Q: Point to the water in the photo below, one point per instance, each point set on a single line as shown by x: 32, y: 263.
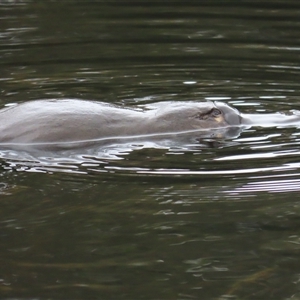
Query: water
x: 215, y: 219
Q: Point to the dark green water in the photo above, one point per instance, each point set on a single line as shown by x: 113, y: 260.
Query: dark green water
x: 147, y: 222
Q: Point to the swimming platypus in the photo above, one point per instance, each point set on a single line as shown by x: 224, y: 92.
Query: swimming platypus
x: 72, y: 123
x: 78, y: 122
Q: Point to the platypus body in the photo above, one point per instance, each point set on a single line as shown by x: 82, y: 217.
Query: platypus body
x: 70, y: 122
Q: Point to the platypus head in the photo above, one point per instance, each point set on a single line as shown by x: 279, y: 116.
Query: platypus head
x: 215, y: 115
x: 190, y: 115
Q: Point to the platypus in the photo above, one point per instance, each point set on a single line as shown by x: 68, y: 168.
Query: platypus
x: 75, y: 122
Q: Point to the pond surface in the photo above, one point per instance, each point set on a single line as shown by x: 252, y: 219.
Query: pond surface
x: 217, y: 219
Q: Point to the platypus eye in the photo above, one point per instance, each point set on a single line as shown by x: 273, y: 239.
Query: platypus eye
x: 215, y: 112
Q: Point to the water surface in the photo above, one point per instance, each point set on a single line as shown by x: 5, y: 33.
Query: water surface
x: 213, y: 219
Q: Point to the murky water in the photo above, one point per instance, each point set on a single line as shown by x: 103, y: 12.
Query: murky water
x: 212, y: 219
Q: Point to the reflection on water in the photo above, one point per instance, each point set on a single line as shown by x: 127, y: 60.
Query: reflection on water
x: 191, y: 220
x: 272, y: 186
x: 106, y: 153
